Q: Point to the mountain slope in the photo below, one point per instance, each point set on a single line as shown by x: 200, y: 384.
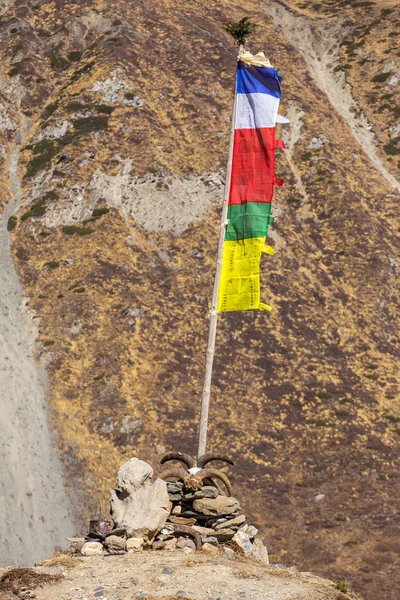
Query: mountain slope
x: 115, y: 243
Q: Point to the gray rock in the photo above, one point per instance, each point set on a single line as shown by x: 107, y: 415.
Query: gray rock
x: 115, y: 544
x: 209, y: 491
x: 92, y: 549
x: 141, y: 508
x: 210, y: 540
x: 230, y: 522
x: 259, y: 551
x: 168, y: 571
x: 242, y: 541
x: 174, y: 488
x: 222, y: 505
x: 174, y: 497
x: 190, y: 495
x: 186, y: 544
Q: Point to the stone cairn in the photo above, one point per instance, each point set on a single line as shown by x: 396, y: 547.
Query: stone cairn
x: 188, y: 509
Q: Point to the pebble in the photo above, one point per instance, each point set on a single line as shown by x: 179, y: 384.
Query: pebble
x: 168, y: 571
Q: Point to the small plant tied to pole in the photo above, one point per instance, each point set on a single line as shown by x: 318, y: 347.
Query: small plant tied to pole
x: 240, y: 30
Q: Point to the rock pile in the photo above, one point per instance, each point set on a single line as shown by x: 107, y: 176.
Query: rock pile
x: 185, y: 512
x: 208, y: 520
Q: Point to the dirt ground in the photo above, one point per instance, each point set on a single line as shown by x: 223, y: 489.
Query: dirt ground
x: 174, y: 575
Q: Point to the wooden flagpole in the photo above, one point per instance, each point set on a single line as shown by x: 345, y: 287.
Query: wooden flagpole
x: 205, y: 400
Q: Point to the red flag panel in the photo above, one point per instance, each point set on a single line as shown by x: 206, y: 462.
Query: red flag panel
x: 252, y: 178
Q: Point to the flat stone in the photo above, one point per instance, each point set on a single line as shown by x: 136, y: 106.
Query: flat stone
x: 182, y: 520
x: 226, y: 524
x: 134, y: 544
x: 210, y: 548
x: 222, y: 505
x: 203, y: 530
x: 174, y: 497
x: 115, y: 544
x: 186, y: 544
x: 177, y: 510
x: 242, y: 541
x: 92, y: 549
x: 209, y: 491
x: 251, y: 532
x: 174, y: 488
x: 224, y: 535
x: 197, y: 515
x: 260, y: 552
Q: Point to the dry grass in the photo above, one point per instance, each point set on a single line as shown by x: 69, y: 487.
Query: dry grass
x: 62, y: 560
x: 14, y: 581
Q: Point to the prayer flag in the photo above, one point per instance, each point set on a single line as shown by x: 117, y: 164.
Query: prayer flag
x: 258, y: 92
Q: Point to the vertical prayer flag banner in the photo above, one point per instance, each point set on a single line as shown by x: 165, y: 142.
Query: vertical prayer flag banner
x: 258, y: 92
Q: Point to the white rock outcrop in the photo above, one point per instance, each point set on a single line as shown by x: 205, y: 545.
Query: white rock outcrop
x: 139, y: 506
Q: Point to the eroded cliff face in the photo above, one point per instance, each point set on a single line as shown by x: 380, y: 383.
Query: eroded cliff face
x: 115, y: 240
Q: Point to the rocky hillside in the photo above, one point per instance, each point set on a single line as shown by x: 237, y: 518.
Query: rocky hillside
x: 115, y: 120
